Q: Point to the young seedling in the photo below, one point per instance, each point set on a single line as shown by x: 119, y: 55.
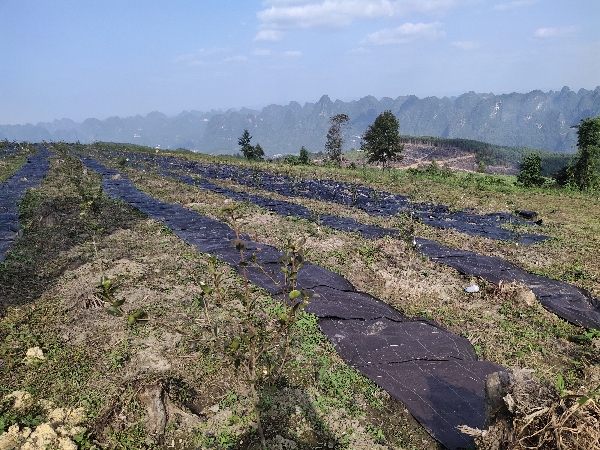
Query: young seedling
x: 106, y: 292
x: 258, y: 343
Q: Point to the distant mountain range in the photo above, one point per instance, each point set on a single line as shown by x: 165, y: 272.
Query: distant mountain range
x: 536, y: 119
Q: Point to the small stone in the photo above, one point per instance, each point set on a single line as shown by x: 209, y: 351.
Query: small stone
x: 22, y: 399
x: 33, y: 354
x: 214, y: 408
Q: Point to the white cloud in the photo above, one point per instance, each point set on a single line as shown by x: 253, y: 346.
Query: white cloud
x: 285, y: 14
x: 293, y: 53
x: 405, y: 33
x: 554, y: 32
x: 515, y: 4
x: 268, y: 35
x: 261, y: 52
x: 466, y: 45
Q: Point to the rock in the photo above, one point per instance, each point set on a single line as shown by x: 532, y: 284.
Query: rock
x: 23, y: 399
x: 472, y: 289
x: 12, y: 438
x: 33, y: 354
x: 41, y: 438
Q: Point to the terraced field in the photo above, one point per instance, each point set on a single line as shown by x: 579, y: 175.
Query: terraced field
x: 387, y: 336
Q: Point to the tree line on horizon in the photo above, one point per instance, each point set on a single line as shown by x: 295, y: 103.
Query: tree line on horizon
x: 383, y: 144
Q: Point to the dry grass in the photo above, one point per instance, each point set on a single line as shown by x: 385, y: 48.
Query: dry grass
x: 528, y: 415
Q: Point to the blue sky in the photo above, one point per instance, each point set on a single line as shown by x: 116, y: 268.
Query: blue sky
x: 92, y: 58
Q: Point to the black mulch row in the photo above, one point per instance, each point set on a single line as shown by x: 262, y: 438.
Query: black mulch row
x: 12, y: 190
x: 374, y: 202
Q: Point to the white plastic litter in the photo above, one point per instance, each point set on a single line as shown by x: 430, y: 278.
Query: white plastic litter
x: 471, y: 289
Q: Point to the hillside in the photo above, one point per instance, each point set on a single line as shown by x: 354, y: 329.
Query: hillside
x: 536, y: 119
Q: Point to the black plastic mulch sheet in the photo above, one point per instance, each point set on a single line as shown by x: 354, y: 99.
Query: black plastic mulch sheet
x: 435, y: 373
x: 372, y: 201
x: 565, y: 300
x: 11, y: 191
x: 284, y: 208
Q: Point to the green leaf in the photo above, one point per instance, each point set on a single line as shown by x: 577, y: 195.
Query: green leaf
x: 114, y: 311
x: 206, y: 289
x: 136, y: 316
x: 118, y: 303
x: 104, y: 297
x: 560, y: 384
x: 295, y: 294
x: 582, y: 400
x: 299, y: 307
x: 199, y: 301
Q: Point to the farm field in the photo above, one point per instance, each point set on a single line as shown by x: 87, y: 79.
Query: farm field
x: 113, y: 369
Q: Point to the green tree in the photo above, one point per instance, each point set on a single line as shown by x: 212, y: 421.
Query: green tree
x: 585, y: 170
x: 304, y: 158
x: 244, y: 143
x: 531, y: 170
x: 258, y: 153
x: 335, y: 141
x: 251, y: 153
x: 381, y: 140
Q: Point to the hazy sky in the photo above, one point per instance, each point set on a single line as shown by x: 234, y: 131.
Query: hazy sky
x: 92, y: 58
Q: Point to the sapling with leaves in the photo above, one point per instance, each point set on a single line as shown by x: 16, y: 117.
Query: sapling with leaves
x: 106, y: 292
x: 258, y: 340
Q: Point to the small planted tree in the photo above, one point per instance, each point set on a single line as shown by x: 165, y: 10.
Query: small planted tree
x: 335, y: 141
x: 258, y: 335
x: 531, y: 170
x: 381, y: 141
